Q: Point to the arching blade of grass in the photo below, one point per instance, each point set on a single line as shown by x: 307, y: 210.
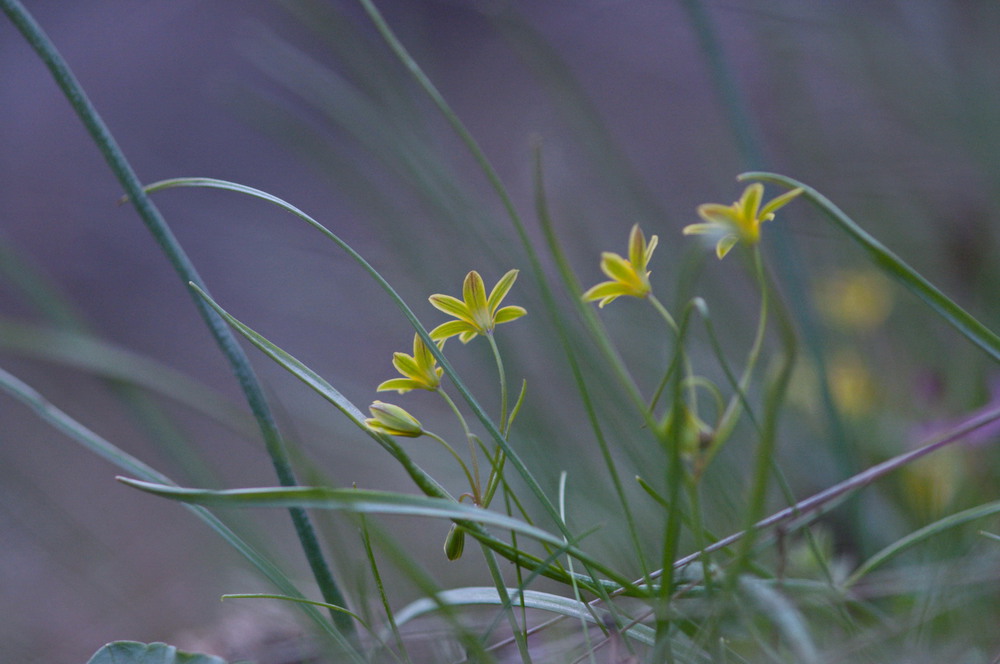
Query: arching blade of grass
x: 362, y: 501
x: 185, y: 269
x: 130, y: 464
x: 533, y: 599
x: 894, y: 266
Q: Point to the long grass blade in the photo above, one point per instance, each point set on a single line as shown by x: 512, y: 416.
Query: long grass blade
x: 178, y: 258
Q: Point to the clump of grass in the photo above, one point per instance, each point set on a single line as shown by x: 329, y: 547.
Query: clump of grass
x: 772, y: 589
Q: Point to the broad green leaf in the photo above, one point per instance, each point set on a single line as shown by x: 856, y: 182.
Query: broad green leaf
x: 133, y: 652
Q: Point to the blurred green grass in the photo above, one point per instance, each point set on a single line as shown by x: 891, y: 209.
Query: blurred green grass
x: 888, y: 109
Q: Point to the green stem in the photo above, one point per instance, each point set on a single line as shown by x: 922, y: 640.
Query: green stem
x: 476, y: 499
x: 768, y: 435
x: 474, y: 479
x: 503, y: 385
x: 161, y: 232
x: 729, y: 417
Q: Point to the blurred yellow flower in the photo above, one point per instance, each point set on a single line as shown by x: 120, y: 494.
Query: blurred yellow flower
x: 420, y: 370
x: 739, y: 222
x: 477, y: 314
x: 628, y: 277
x: 855, y: 299
x: 852, y: 385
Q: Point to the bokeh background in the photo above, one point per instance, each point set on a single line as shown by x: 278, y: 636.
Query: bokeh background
x: 641, y: 111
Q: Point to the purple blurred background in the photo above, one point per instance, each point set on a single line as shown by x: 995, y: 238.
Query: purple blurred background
x: 890, y: 108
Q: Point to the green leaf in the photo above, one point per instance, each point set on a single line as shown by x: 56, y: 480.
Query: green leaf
x: 133, y: 652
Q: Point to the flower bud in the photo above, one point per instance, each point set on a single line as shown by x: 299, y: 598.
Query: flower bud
x: 454, y: 544
x: 393, y: 420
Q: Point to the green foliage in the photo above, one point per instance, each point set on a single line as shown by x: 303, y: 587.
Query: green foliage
x: 664, y: 401
x: 132, y: 652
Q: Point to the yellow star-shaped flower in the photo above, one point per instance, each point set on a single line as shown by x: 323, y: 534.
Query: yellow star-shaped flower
x: 477, y: 314
x: 739, y: 222
x: 628, y: 277
x: 420, y: 370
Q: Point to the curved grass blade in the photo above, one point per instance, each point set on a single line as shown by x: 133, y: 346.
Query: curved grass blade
x: 359, y: 501
x: 894, y: 266
x: 918, y: 536
x: 532, y: 599
x: 362, y: 501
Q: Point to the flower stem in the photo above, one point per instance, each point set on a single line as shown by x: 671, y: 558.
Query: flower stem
x: 465, y: 469
x: 503, y: 385
x: 474, y: 477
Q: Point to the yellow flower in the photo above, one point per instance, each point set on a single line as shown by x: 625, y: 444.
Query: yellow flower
x: 628, y: 277
x: 739, y: 222
x: 420, y: 370
x: 393, y: 420
x: 478, y: 314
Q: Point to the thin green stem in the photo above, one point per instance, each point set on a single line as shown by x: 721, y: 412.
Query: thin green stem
x: 476, y: 498
x: 185, y: 269
x: 503, y: 384
x: 475, y: 480
x: 727, y: 421
x: 373, y: 564
x: 768, y: 434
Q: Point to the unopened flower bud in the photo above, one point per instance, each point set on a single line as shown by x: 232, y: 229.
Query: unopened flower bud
x: 393, y: 420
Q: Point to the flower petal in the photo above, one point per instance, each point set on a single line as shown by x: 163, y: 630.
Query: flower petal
x: 704, y: 229
x: 636, y: 246
x: 749, y: 203
x: 725, y: 244
x: 723, y: 215
x: 474, y: 293
x: 406, y: 365
x: 507, y: 314
x: 500, y: 291
x: 775, y: 203
x: 653, y: 241
x: 604, y: 290
x: 451, y: 328
x: 451, y: 306
x: 618, y: 268
x: 401, y: 385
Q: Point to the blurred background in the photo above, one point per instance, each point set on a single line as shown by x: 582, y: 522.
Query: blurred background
x: 640, y: 111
